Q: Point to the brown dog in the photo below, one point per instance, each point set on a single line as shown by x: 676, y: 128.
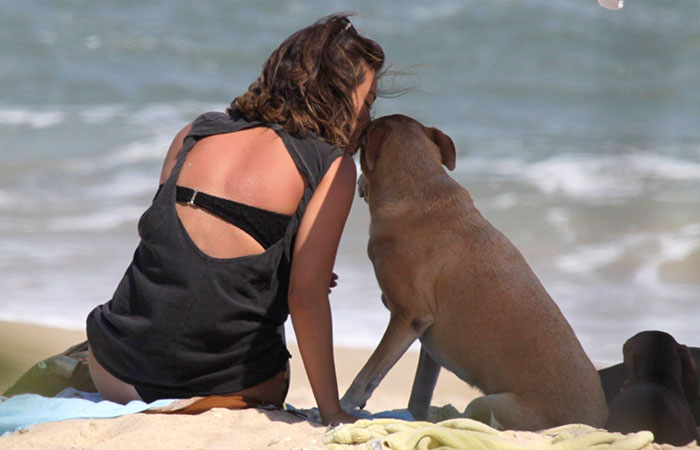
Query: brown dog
x: 661, y: 391
x: 450, y: 279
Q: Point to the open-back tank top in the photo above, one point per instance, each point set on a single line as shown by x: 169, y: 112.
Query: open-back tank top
x: 182, y: 323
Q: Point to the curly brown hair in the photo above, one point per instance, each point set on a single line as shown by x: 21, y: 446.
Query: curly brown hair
x: 307, y: 84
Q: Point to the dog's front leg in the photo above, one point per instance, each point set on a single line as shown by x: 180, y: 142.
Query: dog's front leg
x: 423, y: 385
x: 401, y: 332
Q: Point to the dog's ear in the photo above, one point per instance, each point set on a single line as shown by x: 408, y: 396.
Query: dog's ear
x: 689, y: 375
x: 373, y: 142
x: 447, y: 147
x: 628, y: 361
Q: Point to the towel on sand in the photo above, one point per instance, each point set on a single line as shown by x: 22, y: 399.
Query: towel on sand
x: 469, y: 434
x: 24, y: 410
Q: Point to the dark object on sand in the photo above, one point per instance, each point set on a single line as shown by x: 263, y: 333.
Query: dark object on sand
x: 54, y: 374
x: 613, y: 378
x: 660, y: 391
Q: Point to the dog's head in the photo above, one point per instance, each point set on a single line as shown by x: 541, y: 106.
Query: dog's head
x: 387, y: 136
x: 656, y: 356
x: 401, y: 130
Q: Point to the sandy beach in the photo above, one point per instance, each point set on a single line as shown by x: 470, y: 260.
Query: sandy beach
x: 23, y: 345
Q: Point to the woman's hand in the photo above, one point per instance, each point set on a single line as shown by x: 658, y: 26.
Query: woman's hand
x: 338, y: 417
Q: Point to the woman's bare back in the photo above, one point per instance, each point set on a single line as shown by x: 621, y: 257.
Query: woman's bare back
x: 252, y: 167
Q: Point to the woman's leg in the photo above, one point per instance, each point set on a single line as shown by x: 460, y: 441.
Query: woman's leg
x: 110, y: 387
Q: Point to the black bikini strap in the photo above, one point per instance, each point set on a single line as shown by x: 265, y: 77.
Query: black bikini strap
x: 260, y: 224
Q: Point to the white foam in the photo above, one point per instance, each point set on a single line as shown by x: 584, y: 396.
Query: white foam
x: 657, y: 250
x: 6, y: 198
x: 162, y: 117
x: 504, y: 201
x: 583, y: 176
x: 672, y: 247
x: 482, y: 166
x: 588, y: 258
x: 560, y: 219
x: 160, y: 114
x: 100, y: 220
x: 664, y: 167
x: 124, y: 185
x: 152, y: 149
x: 93, y: 42
x: 38, y: 252
x: 103, y: 113
x: 34, y: 119
x: 149, y: 150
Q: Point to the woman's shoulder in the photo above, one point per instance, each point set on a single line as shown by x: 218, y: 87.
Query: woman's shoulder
x: 315, y: 154
x: 212, y: 117
x: 320, y: 146
x: 215, y: 122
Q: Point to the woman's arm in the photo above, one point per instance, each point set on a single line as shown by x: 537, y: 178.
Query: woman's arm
x: 314, y: 255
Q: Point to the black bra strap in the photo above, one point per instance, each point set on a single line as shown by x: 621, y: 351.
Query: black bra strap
x: 266, y: 227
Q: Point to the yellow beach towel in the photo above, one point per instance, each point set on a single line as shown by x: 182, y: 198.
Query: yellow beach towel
x: 463, y: 433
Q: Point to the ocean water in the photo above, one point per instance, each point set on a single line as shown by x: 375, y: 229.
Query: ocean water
x: 577, y: 128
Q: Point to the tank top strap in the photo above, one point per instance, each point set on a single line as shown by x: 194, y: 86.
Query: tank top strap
x: 169, y: 184
x: 311, y: 155
x: 207, y: 124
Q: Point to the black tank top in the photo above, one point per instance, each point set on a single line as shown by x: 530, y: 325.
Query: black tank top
x: 182, y: 323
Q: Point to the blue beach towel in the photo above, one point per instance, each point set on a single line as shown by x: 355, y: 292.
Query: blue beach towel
x: 24, y: 410
x: 312, y: 415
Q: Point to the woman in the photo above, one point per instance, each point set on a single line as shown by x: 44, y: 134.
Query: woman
x: 243, y: 231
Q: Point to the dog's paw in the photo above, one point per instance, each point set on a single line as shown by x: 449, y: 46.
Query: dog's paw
x: 347, y: 405
x: 350, y: 404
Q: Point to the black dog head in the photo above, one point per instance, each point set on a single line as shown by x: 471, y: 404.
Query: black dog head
x: 652, y: 356
x: 655, y: 356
